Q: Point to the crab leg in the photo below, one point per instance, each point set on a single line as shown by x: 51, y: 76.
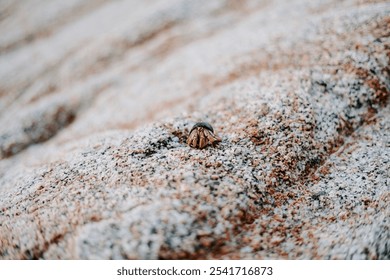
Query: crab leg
x: 211, y: 137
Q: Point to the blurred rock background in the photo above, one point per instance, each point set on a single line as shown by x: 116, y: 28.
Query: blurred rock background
x: 97, y: 98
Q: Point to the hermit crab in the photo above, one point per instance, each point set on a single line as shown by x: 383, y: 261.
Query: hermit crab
x: 202, y: 134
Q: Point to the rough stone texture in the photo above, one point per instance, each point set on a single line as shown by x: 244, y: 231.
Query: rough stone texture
x: 97, y: 99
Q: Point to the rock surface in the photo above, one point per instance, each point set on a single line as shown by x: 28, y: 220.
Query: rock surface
x: 97, y: 99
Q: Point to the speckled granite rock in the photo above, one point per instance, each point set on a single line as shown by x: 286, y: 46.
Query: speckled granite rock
x: 97, y: 99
